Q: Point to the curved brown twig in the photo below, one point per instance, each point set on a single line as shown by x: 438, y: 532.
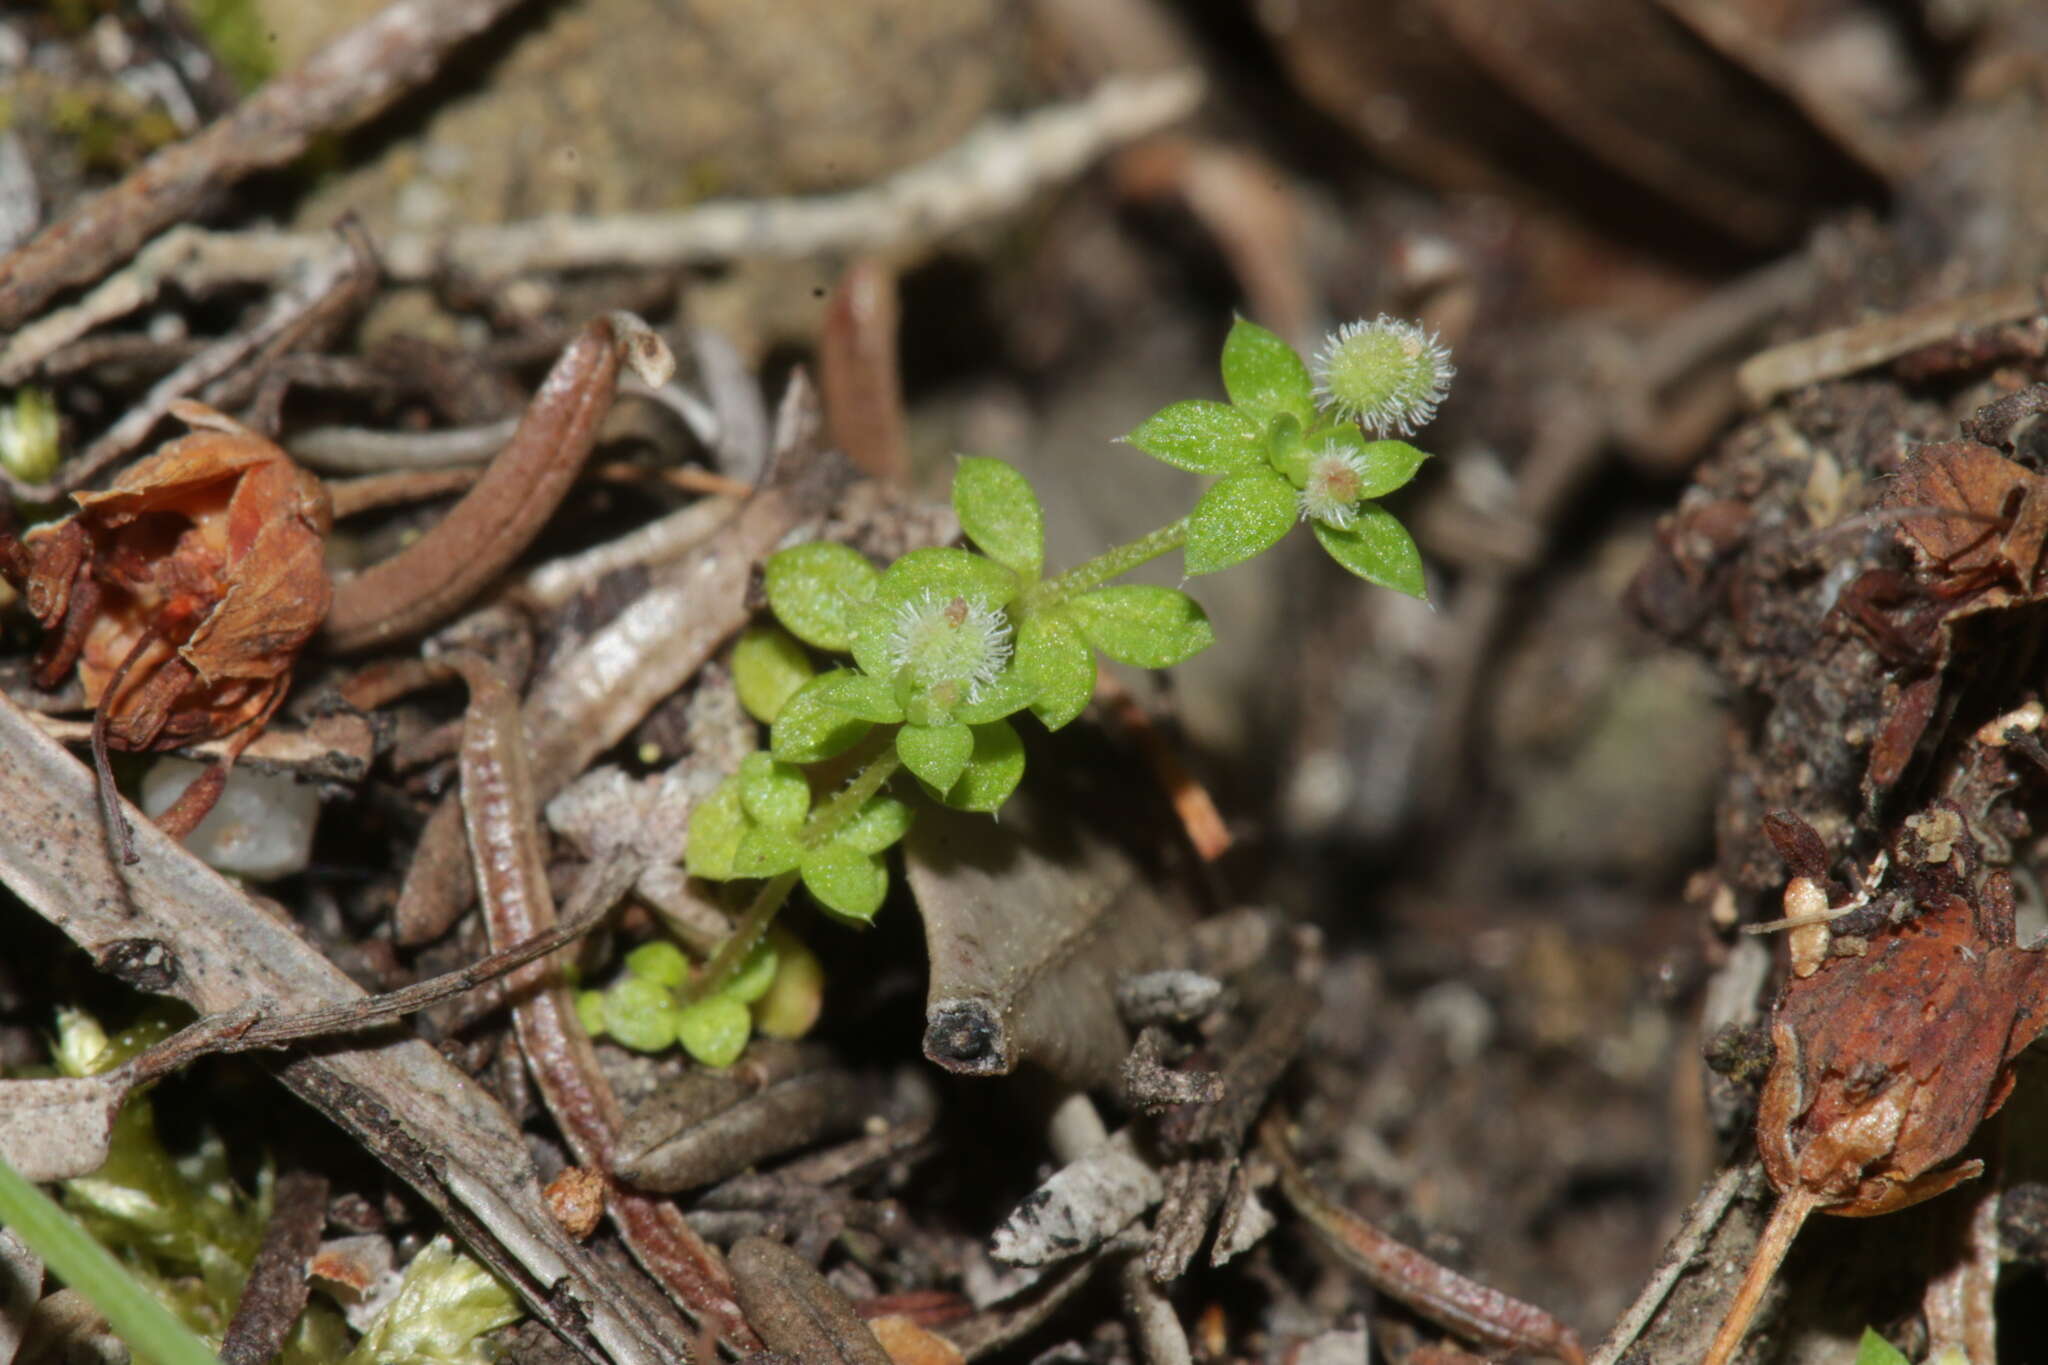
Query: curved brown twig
x: 437, y: 574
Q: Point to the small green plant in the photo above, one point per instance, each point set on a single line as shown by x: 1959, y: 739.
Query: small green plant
x: 162, y: 1245
x: 135, y: 1314
x: 445, y: 1303
x: 1875, y: 1350
x: 180, y: 1224
x: 940, y: 651
x: 29, y: 447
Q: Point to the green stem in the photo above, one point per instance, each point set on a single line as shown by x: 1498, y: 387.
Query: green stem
x: 151, y: 1330
x: 725, y: 964
x: 1114, y: 562
x: 826, y: 821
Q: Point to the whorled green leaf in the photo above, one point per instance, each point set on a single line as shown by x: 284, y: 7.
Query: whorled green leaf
x: 768, y: 665
x: 857, y: 694
x: 714, y: 834
x: 847, y: 882
x: 1287, y: 449
x: 942, y: 572
x: 875, y: 631
x: 993, y: 771
x: 639, y: 1014
x: 1000, y: 514
x: 1136, y: 623
x: 815, y: 589
x: 773, y: 794
x: 1202, y: 437
x: 755, y: 975
x: 1875, y: 1350
x: 766, y: 852
x: 1007, y: 695
x: 1388, y: 465
x: 881, y: 822
x: 659, y: 961
x: 1052, y: 654
x: 937, y: 754
x: 923, y: 706
x: 715, y: 1030
x: 813, y: 725
x: 1262, y: 371
x: 1378, y: 549
x: 1242, y: 515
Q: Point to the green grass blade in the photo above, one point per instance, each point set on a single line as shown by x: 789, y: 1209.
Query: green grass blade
x: 151, y: 1330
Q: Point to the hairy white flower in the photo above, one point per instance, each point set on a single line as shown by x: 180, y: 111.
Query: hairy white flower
x: 938, y: 640
x: 1387, y: 375
x: 1336, y: 474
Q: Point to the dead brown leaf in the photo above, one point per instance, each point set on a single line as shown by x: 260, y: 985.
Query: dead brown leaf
x: 1887, y: 1063
x: 1977, y: 525
x: 1972, y: 516
x: 1028, y: 925
x: 182, y: 594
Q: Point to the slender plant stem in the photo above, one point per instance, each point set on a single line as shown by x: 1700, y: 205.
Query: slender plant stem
x: 724, y: 965
x: 826, y: 821
x: 1114, y: 562
x: 151, y: 1330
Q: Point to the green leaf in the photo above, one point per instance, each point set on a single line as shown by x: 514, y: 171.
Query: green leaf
x: 1378, y: 549
x: 847, y: 882
x: 659, y: 961
x: 925, y: 706
x: 858, y: 695
x: 944, y: 572
x: 1388, y: 466
x: 639, y: 1014
x: 1262, y: 371
x: 880, y: 823
x: 874, y: 640
x: 1202, y: 437
x: 755, y: 975
x: 765, y: 852
x: 1061, y: 667
x: 1287, y: 450
x: 1000, y: 514
x: 1136, y: 623
x: 773, y: 794
x: 1241, y: 515
x: 992, y: 773
x: 1007, y: 695
x: 1875, y: 1350
x: 815, y: 589
x: 715, y: 1031
x: 714, y: 834
x: 812, y: 726
x: 936, y: 753
x: 767, y: 666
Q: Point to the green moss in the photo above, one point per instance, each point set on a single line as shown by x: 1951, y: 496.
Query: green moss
x: 239, y: 38
x: 112, y: 129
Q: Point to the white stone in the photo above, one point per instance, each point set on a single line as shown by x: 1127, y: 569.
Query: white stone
x: 262, y: 827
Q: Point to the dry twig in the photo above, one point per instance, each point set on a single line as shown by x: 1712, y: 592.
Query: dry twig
x: 1845, y: 350
x: 991, y: 172
x: 503, y: 823
x: 1435, y: 1291
x: 175, y: 926
x: 275, y: 1293
x: 349, y: 80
